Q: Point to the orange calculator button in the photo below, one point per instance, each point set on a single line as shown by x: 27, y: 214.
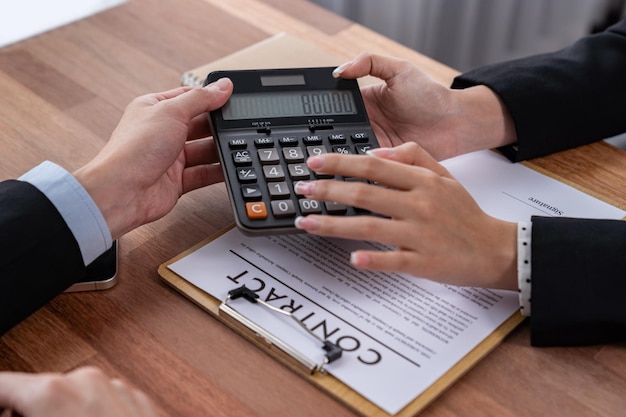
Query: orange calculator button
x: 256, y: 210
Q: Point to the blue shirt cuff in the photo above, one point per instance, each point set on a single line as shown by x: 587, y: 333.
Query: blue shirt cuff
x: 75, y: 205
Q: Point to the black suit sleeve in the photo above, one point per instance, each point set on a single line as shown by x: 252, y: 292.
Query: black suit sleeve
x: 578, y: 281
x: 563, y: 99
x: 558, y: 101
x: 39, y: 256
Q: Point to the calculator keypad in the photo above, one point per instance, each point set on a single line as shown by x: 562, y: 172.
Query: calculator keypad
x: 265, y: 169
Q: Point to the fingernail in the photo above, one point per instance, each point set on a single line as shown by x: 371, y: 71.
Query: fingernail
x: 381, y: 152
x: 309, y: 223
x: 341, y: 68
x: 315, y: 163
x: 359, y: 259
x: 223, y: 84
x: 304, y: 188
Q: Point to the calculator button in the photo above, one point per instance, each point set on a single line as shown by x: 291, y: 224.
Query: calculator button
x: 256, y: 210
x: 274, y: 172
x: 361, y: 149
x: 268, y: 156
x: 288, y: 141
x: 237, y: 144
x: 294, y: 154
x: 335, y: 208
x: 278, y: 190
x: 283, y: 208
x: 246, y: 175
x: 312, y: 140
x: 359, y: 137
x: 308, y: 206
x: 251, y: 192
x: 264, y: 142
x: 344, y: 149
x: 337, y: 138
x: 241, y: 158
x: 298, y: 171
x: 315, y: 150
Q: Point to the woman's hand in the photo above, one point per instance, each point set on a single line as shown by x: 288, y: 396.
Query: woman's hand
x: 437, y: 228
x: 412, y: 107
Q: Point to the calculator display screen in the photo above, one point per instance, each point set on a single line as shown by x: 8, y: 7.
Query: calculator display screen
x: 289, y: 104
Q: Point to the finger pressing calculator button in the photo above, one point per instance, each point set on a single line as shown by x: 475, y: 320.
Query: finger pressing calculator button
x: 283, y: 208
x: 256, y: 210
x: 242, y: 158
x: 251, y: 192
x: 295, y: 187
x: 308, y: 206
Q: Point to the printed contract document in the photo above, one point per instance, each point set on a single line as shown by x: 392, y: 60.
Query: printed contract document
x: 399, y: 333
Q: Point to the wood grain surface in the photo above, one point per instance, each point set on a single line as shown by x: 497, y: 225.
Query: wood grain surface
x: 61, y: 95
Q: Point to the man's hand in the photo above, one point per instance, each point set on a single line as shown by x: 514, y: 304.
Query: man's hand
x: 85, y: 392
x: 158, y: 152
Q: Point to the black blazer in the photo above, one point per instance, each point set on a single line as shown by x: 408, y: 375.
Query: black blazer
x: 39, y: 256
x: 558, y: 101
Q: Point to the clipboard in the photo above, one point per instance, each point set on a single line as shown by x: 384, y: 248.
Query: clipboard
x: 324, y: 381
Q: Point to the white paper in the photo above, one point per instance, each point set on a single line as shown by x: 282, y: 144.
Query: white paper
x: 399, y: 333
x: 25, y: 18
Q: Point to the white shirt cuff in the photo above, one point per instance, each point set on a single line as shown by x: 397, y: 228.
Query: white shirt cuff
x: 75, y: 205
x: 524, y: 281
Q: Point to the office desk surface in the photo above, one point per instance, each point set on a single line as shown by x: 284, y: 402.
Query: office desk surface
x: 62, y: 93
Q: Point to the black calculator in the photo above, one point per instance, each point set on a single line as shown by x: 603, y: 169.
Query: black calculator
x: 274, y: 121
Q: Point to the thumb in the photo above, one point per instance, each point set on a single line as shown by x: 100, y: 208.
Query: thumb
x: 411, y: 153
x: 380, y: 66
x: 202, y: 99
x: 14, y: 387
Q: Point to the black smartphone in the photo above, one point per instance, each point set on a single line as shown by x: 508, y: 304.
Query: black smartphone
x: 101, y: 273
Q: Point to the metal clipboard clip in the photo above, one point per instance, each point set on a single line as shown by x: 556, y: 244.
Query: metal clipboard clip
x: 333, y: 351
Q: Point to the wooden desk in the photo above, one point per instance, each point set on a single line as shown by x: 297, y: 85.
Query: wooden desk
x: 62, y: 93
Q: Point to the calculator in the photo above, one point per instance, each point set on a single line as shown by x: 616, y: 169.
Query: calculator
x: 274, y: 120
